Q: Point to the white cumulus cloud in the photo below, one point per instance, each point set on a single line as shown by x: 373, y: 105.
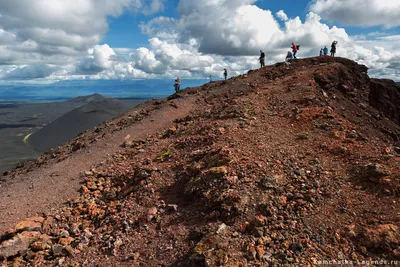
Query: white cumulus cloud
x: 99, y: 59
x: 359, y: 12
x: 282, y: 15
x: 29, y: 72
x: 77, y: 24
x: 231, y: 30
x: 59, y: 39
x: 41, y: 36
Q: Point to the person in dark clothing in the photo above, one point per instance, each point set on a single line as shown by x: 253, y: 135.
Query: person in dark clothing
x: 320, y: 52
x: 262, y: 58
x: 225, y: 74
x: 177, y: 85
x: 333, y: 48
x: 289, y: 58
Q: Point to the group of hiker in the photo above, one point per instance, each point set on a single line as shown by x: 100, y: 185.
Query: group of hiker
x: 324, y: 51
x: 290, y: 56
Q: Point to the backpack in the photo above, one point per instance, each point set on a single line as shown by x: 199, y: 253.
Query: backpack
x: 298, y: 47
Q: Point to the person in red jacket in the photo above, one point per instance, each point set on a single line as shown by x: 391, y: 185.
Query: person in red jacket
x: 294, y: 50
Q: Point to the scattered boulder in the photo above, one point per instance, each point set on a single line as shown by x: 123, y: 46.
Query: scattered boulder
x: 30, y: 224
x: 57, y: 250
x: 374, y: 170
x: 169, y: 132
x: 268, y: 182
x: 77, y: 145
x: 172, y: 207
x: 218, y: 171
x: 65, y: 241
x: 218, y: 248
x: 127, y: 143
x: 297, y: 247
x: 42, y: 243
x: 18, y: 244
x: 384, y: 237
x: 151, y: 213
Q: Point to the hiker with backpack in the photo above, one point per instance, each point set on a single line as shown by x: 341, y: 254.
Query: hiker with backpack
x: 177, y: 85
x: 262, y: 58
x: 295, y: 48
x: 333, y: 48
x: 225, y: 74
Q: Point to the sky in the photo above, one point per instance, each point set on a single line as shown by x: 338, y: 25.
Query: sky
x: 53, y: 40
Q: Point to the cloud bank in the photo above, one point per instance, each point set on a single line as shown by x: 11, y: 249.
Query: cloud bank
x: 206, y: 37
x: 359, y: 12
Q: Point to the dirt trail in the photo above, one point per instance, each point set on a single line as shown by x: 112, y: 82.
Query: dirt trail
x: 45, y: 189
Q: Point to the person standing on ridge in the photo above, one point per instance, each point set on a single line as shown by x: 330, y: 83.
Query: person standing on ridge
x: 289, y: 57
x: 325, y: 51
x: 333, y: 48
x: 225, y: 74
x: 177, y: 85
x: 262, y: 58
x: 294, y: 50
x: 320, y: 52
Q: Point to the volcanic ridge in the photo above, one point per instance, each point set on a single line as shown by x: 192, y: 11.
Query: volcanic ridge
x: 285, y: 165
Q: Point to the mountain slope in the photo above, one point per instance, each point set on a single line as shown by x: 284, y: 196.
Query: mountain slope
x: 95, y: 110
x: 285, y: 165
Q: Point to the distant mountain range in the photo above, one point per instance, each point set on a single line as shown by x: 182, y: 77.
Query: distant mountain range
x: 90, y: 98
x: 29, y: 129
x: 95, y: 109
x: 114, y: 88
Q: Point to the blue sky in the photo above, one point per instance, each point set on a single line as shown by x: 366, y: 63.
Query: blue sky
x: 125, y: 31
x: 53, y: 40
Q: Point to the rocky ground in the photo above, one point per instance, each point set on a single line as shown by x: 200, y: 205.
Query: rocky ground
x: 282, y: 166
